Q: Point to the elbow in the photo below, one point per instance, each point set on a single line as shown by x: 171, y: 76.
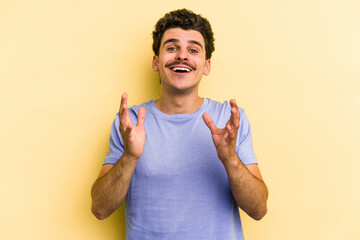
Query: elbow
x: 98, y: 209
x: 260, y: 213
x: 101, y: 211
x: 98, y: 213
x: 262, y: 209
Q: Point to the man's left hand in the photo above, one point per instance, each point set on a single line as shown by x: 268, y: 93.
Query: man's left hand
x: 225, y: 138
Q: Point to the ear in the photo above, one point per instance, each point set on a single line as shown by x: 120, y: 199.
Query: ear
x: 155, y: 62
x: 207, y: 67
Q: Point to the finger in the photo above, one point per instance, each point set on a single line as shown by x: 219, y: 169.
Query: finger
x: 209, y: 122
x: 235, y: 117
x: 123, y: 101
x: 235, y: 114
x: 141, y: 117
x: 230, y: 131
x: 233, y: 103
x: 125, y: 124
x: 123, y: 111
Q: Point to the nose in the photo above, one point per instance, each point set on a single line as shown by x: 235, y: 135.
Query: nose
x: 182, y: 55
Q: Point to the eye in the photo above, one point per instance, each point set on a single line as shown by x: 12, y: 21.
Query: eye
x: 172, y: 49
x: 193, y: 51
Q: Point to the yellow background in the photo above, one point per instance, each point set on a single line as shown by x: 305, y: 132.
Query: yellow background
x: 292, y: 65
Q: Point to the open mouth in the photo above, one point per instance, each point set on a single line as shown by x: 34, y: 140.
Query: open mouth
x: 180, y: 69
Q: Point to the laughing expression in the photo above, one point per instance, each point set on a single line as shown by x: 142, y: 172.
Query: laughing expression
x: 181, y: 61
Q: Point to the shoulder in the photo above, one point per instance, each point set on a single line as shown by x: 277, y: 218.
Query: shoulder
x: 220, y: 108
x: 221, y: 112
x: 146, y: 105
x: 133, y: 112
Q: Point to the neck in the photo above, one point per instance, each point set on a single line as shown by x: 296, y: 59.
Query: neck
x: 179, y: 104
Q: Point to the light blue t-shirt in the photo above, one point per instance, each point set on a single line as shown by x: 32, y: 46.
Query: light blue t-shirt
x: 180, y: 189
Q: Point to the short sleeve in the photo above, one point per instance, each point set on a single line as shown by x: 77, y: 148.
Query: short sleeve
x: 116, y: 144
x: 244, y: 147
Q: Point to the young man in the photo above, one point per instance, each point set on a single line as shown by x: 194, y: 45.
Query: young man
x: 183, y: 164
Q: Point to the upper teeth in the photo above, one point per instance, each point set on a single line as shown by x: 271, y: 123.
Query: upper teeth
x: 181, y: 69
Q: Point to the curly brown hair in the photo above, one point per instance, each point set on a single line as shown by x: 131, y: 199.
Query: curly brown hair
x: 187, y: 20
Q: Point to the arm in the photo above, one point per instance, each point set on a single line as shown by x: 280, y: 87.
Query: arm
x: 111, y: 187
x: 248, y: 188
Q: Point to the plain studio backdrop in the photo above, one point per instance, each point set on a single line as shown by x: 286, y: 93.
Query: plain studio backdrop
x: 292, y: 65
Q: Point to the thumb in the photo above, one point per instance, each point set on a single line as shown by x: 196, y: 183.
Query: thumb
x: 209, y: 122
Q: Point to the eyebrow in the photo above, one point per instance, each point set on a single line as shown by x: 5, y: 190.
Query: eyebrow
x: 174, y: 40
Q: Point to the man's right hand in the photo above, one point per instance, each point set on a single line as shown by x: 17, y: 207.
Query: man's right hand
x: 133, y: 136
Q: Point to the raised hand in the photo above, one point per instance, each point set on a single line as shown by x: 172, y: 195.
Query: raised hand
x: 133, y: 136
x: 225, y: 138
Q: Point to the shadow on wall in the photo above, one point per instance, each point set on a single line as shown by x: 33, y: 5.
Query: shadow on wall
x: 146, y: 87
x: 117, y: 223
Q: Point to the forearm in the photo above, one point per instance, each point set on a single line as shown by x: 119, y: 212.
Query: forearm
x: 250, y: 193
x: 109, y: 191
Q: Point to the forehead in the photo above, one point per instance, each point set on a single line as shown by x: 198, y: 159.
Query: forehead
x: 184, y: 36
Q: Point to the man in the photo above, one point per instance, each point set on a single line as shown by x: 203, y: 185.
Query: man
x: 183, y: 163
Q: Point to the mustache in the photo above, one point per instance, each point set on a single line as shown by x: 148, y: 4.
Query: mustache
x: 180, y: 63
